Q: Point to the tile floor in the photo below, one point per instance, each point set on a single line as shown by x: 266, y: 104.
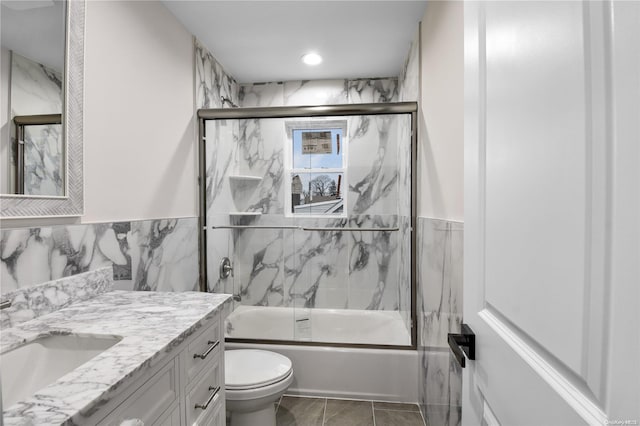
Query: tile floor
x: 297, y: 411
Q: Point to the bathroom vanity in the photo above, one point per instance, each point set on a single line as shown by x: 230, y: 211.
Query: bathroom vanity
x: 154, y: 357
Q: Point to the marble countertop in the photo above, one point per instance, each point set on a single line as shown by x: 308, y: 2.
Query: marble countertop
x: 150, y: 324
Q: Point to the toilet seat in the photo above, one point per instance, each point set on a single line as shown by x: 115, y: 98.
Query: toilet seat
x: 247, y: 369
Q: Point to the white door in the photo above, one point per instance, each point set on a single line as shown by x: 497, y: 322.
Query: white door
x: 552, y: 212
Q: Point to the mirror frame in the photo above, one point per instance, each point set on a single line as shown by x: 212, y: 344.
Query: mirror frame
x: 72, y: 203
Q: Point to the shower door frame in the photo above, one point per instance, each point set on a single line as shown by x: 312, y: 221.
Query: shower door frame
x: 394, y: 108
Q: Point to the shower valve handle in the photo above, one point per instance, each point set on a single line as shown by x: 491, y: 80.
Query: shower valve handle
x: 225, y: 268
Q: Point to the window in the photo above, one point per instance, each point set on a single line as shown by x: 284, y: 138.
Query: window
x: 316, y: 168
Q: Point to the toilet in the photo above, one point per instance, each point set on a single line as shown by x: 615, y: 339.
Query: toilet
x: 254, y: 381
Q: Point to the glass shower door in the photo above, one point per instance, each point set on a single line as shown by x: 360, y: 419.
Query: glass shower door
x: 316, y: 213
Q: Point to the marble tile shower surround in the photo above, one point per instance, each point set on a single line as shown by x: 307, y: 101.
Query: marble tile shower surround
x: 37, y: 89
x: 439, y: 280
x: 211, y: 83
x: 319, y: 92
x: 409, y: 79
x: 32, y: 302
x: 440, y: 386
x: 309, y: 269
x: 440, y: 265
x: 211, y: 80
x: 408, y: 90
x: 373, y: 191
x: 317, y: 269
x: 257, y: 149
x: 157, y: 254
x: 44, y: 160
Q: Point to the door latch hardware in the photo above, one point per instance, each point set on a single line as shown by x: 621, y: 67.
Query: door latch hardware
x: 463, y: 344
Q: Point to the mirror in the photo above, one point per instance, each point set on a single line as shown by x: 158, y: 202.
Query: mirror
x: 41, y: 134
x: 32, y: 147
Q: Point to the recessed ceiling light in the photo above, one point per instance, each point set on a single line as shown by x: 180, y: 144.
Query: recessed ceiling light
x: 312, y: 59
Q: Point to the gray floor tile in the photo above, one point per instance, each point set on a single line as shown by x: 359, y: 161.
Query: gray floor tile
x: 348, y: 413
x: 294, y: 411
x: 398, y: 418
x: 395, y: 406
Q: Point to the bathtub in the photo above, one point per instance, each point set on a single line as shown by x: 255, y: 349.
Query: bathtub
x: 355, y: 373
x: 318, y: 325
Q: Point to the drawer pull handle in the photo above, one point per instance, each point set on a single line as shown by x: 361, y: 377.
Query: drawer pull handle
x: 208, y: 351
x: 213, y: 395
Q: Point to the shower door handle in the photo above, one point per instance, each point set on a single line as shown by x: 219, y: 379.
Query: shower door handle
x: 463, y: 345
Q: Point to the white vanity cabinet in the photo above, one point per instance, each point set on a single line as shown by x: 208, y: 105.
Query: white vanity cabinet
x: 185, y: 389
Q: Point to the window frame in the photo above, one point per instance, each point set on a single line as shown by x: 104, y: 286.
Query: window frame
x: 315, y: 124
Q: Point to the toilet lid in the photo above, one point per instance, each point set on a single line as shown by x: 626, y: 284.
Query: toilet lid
x: 252, y: 368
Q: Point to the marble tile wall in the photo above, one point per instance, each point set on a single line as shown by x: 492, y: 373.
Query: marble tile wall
x: 160, y: 255
x: 254, y: 147
x: 317, y: 269
x: 213, y: 83
x: 373, y: 189
x: 37, y: 89
x: 408, y: 88
x: 440, y: 266
x: 409, y: 79
x: 319, y: 92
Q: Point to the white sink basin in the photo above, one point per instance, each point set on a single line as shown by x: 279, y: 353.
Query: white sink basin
x: 35, y: 365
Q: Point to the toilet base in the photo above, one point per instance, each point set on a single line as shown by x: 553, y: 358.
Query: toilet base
x: 263, y: 417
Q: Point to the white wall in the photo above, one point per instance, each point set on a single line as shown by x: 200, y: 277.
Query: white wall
x: 441, y: 133
x: 140, y: 141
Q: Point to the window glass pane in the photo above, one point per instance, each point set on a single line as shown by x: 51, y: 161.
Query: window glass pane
x: 317, y: 148
x: 317, y: 193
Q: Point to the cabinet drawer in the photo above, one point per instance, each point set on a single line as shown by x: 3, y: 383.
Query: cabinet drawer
x: 206, y: 346
x: 206, y: 395
x: 215, y: 418
x: 170, y: 418
x: 149, y: 401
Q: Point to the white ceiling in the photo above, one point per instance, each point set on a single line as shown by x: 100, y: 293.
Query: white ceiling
x: 34, y: 29
x: 258, y: 41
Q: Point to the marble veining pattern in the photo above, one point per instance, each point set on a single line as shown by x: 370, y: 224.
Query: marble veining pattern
x: 32, y: 302
x: 168, y: 255
x: 147, y: 337
x: 261, y: 94
x: 440, y: 265
x: 43, y: 160
x: 373, y: 164
x: 212, y: 82
x: 261, y: 153
x: 318, y: 269
x: 37, y: 89
x: 410, y: 76
x: 319, y: 92
x: 373, y: 90
x: 439, y: 280
x: 146, y: 255
x: 373, y: 192
x: 408, y: 90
